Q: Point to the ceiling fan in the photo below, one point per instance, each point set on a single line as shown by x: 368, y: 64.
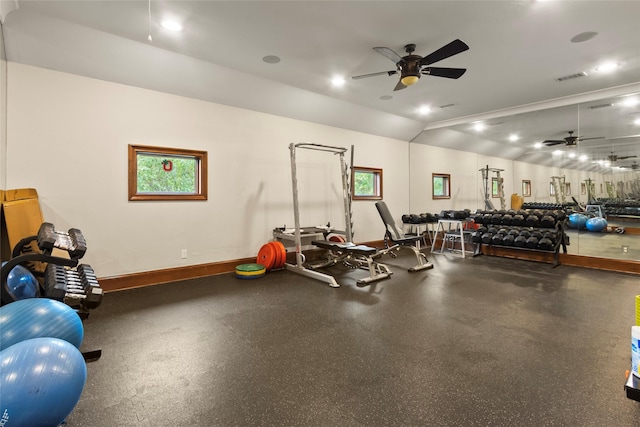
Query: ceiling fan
x: 411, y: 67
x: 569, y: 140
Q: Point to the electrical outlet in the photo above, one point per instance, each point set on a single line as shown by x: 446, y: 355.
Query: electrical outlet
x: 183, y: 254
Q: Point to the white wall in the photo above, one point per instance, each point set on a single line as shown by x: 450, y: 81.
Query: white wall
x: 68, y: 138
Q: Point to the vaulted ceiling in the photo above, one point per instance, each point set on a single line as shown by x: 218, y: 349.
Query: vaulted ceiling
x: 280, y: 57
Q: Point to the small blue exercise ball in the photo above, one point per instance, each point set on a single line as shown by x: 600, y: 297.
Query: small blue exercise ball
x: 596, y: 224
x: 39, y: 317
x: 41, y: 381
x: 577, y: 220
x: 21, y: 283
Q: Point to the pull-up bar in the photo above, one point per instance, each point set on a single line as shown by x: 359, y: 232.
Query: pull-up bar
x: 299, y: 268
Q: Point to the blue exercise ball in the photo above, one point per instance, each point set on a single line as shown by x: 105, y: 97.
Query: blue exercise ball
x: 41, y: 381
x: 21, y: 283
x: 577, y: 220
x: 596, y: 224
x: 39, y: 317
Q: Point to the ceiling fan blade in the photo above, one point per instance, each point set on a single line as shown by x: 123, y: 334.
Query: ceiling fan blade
x: 626, y: 157
x: 551, y: 142
x: 450, y: 73
x: 622, y: 137
x: 399, y: 86
x: 593, y: 137
x: 389, y: 73
x: 444, y: 52
x: 385, y: 51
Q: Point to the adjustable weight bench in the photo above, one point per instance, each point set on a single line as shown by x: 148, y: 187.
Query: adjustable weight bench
x: 354, y: 256
x: 394, y: 239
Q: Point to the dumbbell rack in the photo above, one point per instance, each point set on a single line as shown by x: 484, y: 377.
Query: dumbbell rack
x: 63, y: 279
x: 561, y: 240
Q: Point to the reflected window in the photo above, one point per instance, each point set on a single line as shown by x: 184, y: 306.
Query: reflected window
x: 495, y: 187
x: 583, y: 188
x: 552, y: 190
x: 441, y: 186
x: 526, y: 188
x: 567, y: 189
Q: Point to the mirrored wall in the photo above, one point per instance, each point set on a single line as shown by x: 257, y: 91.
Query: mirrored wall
x: 585, y: 154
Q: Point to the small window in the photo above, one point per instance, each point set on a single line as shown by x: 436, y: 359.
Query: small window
x: 583, y: 188
x: 552, y: 189
x: 366, y: 183
x: 495, y: 187
x: 567, y: 188
x: 526, y: 188
x: 441, y: 186
x: 158, y: 173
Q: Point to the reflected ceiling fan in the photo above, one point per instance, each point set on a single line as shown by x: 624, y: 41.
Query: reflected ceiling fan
x: 613, y: 157
x: 632, y: 166
x: 569, y: 141
x: 411, y: 67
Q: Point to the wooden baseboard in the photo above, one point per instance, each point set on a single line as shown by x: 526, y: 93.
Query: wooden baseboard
x: 157, y: 277
x: 609, y: 264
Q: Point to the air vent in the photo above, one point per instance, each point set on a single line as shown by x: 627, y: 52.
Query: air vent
x: 572, y: 76
x: 595, y: 107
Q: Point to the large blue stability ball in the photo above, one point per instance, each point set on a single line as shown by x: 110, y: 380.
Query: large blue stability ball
x: 39, y: 317
x: 41, y: 381
x: 21, y: 283
x: 577, y: 220
x: 596, y: 224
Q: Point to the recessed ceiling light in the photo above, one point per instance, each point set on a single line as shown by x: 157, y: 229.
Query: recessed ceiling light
x: 424, y: 110
x: 271, y: 59
x: 583, y: 157
x: 338, y: 81
x: 637, y: 121
x: 557, y: 152
x: 537, y: 145
x: 513, y: 137
x: 630, y: 101
x: 170, y: 25
x: 606, y: 67
x: 572, y: 155
x: 478, y: 126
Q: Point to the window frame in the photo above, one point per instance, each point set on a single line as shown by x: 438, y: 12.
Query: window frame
x: 447, y: 181
x: 201, y: 175
x: 377, y: 184
x: 526, y: 188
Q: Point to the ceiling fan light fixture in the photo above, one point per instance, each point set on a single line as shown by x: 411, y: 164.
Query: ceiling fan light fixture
x: 409, y: 80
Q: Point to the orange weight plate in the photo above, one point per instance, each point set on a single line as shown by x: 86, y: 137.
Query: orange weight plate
x: 282, y: 254
x: 267, y: 256
x: 276, y: 255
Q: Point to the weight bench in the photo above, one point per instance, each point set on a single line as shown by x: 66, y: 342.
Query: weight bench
x: 353, y: 256
x: 394, y: 239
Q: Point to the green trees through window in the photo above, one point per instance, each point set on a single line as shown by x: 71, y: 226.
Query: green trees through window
x: 366, y: 184
x: 167, y: 174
